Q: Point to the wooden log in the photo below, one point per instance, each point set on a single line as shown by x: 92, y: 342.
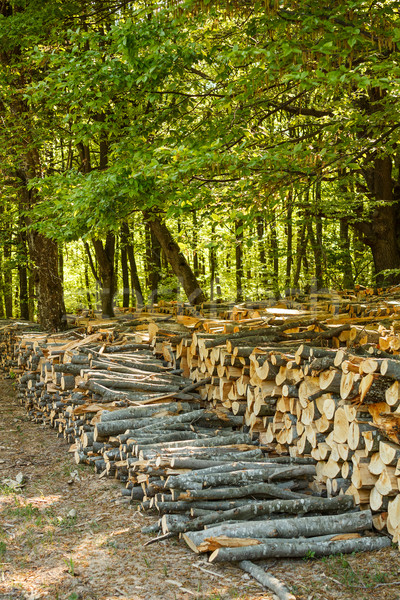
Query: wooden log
x: 134, y: 412
x: 244, y: 477
x: 271, y: 507
x: 329, y: 381
x: 355, y: 439
x: 268, y: 581
x: 391, y: 369
x: 392, y: 394
x: 296, y: 549
x: 209, y: 505
x: 387, y: 484
x: 261, y: 490
x: 287, y: 528
x: 389, y: 452
x: 340, y: 427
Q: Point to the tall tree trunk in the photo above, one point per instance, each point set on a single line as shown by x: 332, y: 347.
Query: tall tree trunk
x: 239, y: 259
x: 316, y: 250
x: 23, y: 291
x: 300, y: 251
x: 2, y: 311
x: 262, y: 255
x: 31, y: 294
x: 49, y: 291
x: 61, y: 263
x: 348, y: 280
x: 275, y: 258
x: 124, y: 270
x: 289, y: 240
x: 213, y: 262
x: 136, y: 288
x: 105, y: 253
x: 176, y: 259
x: 196, y: 269
x: 87, y: 284
x: 23, y: 270
x: 8, y: 280
x: 380, y: 233
x: 318, y: 246
x: 153, y: 261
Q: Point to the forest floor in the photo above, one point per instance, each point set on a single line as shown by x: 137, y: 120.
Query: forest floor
x: 96, y: 552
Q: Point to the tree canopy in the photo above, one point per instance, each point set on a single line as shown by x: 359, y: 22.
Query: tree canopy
x: 269, y: 127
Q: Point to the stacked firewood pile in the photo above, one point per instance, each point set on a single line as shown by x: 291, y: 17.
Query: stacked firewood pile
x: 136, y: 418
x: 272, y: 434
x: 313, y: 389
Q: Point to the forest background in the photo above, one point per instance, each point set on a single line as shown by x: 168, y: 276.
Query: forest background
x: 194, y: 149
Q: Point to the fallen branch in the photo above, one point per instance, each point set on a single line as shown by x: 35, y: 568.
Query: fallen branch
x: 268, y: 581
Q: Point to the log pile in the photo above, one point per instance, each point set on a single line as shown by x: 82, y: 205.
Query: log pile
x: 223, y: 431
x: 313, y: 389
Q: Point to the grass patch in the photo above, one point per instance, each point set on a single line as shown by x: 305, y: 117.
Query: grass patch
x: 7, y: 490
x: 340, y: 569
x: 24, y: 511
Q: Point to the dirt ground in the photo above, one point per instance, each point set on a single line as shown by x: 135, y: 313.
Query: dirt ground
x: 96, y: 552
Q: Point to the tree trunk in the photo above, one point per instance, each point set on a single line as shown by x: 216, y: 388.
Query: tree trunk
x: 23, y: 271
x: 2, y: 311
x: 50, y: 301
x: 153, y: 260
x: 318, y: 250
x: 61, y: 263
x: 381, y: 232
x: 105, y: 259
x: 213, y: 262
x: 317, y: 254
x: 275, y: 258
x: 8, y: 291
x: 176, y: 259
x: 289, y: 240
x: 135, y: 281
x: 31, y: 295
x: 262, y: 255
x: 87, y: 284
x: 348, y: 280
x: 126, y: 242
x: 239, y: 259
x: 196, y: 270
x: 124, y: 266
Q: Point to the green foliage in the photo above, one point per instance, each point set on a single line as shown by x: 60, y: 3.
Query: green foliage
x: 3, y: 549
x: 70, y: 566
x: 229, y: 113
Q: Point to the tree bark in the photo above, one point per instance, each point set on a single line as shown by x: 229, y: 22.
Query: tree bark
x: 124, y: 268
x: 298, y: 549
x: 262, y: 255
x: 50, y: 305
x: 239, y: 259
x: 300, y: 251
x: 136, y: 288
x: 8, y: 292
x: 153, y: 259
x: 288, y: 528
x: 268, y: 581
x: 380, y: 233
x: 105, y: 259
x: 176, y: 259
x: 275, y: 258
x: 23, y: 270
x: 348, y: 280
x: 289, y: 240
